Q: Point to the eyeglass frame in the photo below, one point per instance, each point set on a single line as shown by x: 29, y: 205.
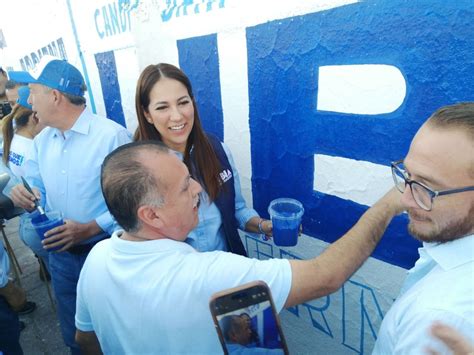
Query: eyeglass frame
x: 433, y: 193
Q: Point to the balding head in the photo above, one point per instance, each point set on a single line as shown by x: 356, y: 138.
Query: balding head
x: 128, y: 183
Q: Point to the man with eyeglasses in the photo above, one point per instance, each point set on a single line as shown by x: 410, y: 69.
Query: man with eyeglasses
x: 436, y: 180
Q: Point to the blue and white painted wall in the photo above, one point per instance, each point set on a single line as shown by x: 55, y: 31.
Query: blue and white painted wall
x: 314, y: 98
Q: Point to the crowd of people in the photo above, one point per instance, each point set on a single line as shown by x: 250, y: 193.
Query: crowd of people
x: 151, y: 222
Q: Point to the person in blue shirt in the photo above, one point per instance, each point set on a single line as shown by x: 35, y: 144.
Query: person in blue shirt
x: 167, y: 111
x: 19, y: 128
x: 64, y: 171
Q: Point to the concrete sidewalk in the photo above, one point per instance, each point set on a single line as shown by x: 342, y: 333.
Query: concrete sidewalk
x: 42, y: 334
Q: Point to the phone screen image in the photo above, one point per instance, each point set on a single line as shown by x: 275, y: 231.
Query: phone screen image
x: 248, y: 323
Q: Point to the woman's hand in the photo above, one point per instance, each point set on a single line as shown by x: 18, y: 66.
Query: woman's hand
x: 260, y: 226
x: 265, y: 227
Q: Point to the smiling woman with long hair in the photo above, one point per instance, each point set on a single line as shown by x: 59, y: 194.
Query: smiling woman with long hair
x: 167, y: 111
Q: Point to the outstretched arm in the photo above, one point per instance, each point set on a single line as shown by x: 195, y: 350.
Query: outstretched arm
x: 327, y: 272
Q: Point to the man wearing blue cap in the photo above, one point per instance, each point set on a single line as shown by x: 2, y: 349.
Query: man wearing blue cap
x: 65, y: 174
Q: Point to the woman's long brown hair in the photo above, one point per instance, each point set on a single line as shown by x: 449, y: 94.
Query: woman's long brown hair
x: 21, y: 115
x: 207, y: 165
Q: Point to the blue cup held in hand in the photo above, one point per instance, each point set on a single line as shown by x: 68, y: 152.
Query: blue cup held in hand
x: 286, y: 214
x: 42, y: 224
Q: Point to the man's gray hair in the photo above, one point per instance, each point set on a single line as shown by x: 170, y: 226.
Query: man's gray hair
x: 128, y: 184
x: 73, y: 99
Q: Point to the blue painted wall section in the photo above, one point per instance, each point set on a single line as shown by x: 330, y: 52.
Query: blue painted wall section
x: 199, y: 59
x: 110, y: 86
x: 430, y: 42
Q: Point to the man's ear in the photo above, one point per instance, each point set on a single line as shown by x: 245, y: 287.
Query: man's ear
x: 57, y: 96
x: 150, y: 216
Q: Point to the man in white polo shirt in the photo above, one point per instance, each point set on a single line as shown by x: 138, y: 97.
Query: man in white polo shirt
x: 63, y: 170
x: 437, y: 181
x: 146, y: 291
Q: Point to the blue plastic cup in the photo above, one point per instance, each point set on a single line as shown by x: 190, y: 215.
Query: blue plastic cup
x: 42, y: 225
x: 286, y: 216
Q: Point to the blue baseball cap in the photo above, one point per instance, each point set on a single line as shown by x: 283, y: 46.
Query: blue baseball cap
x: 23, y: 94
x: 54, y: 73
x: 16, y: 74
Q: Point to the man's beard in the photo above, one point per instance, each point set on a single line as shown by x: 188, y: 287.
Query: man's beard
x: 452, y: 231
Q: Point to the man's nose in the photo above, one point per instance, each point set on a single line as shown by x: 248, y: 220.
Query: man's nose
x: 407, y: 198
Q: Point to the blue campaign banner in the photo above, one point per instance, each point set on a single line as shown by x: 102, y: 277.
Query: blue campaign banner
x: 110, y: 86
x: 430, y: 42
x: 199, y: 59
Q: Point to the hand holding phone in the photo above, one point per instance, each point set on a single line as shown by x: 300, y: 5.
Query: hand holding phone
x: 246, y: 320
